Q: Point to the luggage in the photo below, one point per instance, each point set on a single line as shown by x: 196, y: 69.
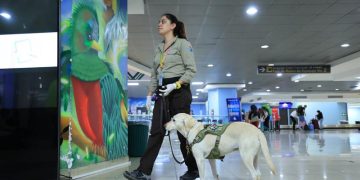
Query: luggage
x: 306, y: 127
x: 315, y: 123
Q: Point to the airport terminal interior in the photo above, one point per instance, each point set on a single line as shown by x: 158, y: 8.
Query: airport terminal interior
x: 74, y: 81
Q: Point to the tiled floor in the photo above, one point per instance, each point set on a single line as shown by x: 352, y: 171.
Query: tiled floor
x: 299, y: 155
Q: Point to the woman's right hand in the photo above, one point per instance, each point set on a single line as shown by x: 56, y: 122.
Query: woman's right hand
x: 148, y: 102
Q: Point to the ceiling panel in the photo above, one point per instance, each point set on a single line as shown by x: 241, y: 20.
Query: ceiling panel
x: 217, y: 20
x: 316, y: 2
x: 221, y: 10
x: 341, y: 9
x: 298, y: 32
x: 193, y: 10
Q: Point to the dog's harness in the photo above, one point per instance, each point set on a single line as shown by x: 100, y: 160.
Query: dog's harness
x: 216, y: 130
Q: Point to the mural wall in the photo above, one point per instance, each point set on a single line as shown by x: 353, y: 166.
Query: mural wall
x: 93, y: 94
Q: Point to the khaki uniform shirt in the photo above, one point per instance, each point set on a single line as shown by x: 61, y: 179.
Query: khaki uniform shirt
x: 179, y: 62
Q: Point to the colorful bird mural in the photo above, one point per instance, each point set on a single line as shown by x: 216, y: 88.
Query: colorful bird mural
x: 92, y: 82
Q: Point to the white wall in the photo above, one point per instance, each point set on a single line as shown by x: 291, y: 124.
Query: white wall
x: 333, y: 111
x: 354, y: 114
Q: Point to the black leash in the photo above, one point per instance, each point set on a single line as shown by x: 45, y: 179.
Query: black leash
x: 172, y: 151
x: 162, y: 104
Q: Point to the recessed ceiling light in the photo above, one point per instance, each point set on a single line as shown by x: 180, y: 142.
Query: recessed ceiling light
x: 345, y: 45
x: 301, y: 90
x: 195, y: 97
x: 228, y: 74
x: 337, y: 89
x: 197, y: 83
x: 268, y: 90
x: 250, y: 82
x: 133, y: 84
x: 210, y: 65
x: 319, y: 85
x: 251, y: 11
x: 277, y: 87
x: 244, y: 89
x: 296, y: 80
x: 5, y: 15
x: 279, y: 74
x: 265, y: 46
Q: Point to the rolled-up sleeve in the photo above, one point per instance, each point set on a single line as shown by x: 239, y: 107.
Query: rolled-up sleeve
x: 187, y: 55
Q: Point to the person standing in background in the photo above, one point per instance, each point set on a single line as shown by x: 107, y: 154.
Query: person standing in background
x: 320, y: 118
x: 294, y: 118
x: 254, y: 116
x: 301, y: 116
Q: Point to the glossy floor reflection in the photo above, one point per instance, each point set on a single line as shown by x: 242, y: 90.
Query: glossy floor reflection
x: 299, y: 155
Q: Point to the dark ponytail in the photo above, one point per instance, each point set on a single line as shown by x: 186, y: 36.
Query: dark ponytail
x: 179, y: 30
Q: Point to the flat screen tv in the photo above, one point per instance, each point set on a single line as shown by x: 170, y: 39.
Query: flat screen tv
x: 285, y: 105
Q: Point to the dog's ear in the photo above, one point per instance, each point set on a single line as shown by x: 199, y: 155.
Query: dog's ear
x: 188, y: 121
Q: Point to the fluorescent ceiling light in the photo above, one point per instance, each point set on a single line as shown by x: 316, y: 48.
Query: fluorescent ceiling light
x: 337, y: 89
x: 250, y: 82
x: 277, y: 87
x: 270, y: 64
x: 199, y: 90
x: 195, y: 97
x: 345, y: 45
x: 358, y: 77
x: 216, y: 86
x: 251, y: 11
x: 5, y: 15
x: 244, y: 89
x: 301, y: 90
x: 210, y: 65
x: 197, y: 94
x: 279, y: 74
x: 268, y: 90
x: 296, y: 80
x: 133, y: 84
x: 228, y: 74
x: 319, y: 85
x: 357, y: 87
x: 197, y: 83
x: 265, y: 46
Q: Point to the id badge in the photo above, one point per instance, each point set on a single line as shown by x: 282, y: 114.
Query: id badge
x: 161, y: 77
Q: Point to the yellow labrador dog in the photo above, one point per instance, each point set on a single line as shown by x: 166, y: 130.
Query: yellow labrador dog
x: 238, y: 136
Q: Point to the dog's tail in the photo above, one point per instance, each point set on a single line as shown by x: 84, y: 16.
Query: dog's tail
x: 265, y: 150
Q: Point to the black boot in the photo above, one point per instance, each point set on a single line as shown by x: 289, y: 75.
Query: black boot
x: 190, y: 175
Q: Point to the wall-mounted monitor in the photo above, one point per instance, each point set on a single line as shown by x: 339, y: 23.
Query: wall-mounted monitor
x: 285, y: 105
x: 28, y: 50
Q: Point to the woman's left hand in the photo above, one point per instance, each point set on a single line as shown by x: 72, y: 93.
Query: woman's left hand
x: 169, y: 88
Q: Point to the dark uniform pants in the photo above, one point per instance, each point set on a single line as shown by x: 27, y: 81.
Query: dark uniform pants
x: 178, y: 101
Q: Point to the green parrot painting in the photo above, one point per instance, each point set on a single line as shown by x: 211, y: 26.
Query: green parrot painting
x: 98, y: 96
